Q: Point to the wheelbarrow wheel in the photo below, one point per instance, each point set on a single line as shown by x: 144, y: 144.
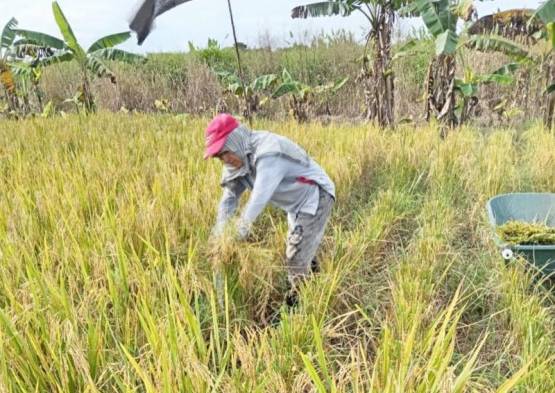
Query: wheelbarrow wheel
x: 508, y: 254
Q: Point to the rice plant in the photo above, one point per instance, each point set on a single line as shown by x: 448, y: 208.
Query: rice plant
x: 109, y: 283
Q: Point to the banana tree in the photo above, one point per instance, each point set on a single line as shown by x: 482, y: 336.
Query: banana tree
x: 254, y: 92
x: 91, y: 62
x: 441, y: 18
x: 7, y: 55
x: 29, y: 79
x: 546, y: 13
x: 377, y: 78
x: 301, y: 95
x: 17, y: 77
x: 468, y: 86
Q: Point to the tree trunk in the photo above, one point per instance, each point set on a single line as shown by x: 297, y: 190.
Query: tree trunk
x: 37, y: 90
x: 440, y: 88
x: 383, y: 74
x: 470, y: 108
x: 26, y: 103
x: 88, y: 98
x: 550, y: 98
x: 250, y: 105
x: 39, y: 95
x: 378, y: 80
x: 519, y: 97
x: 299, y: 107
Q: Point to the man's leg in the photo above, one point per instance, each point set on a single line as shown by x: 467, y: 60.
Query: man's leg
x: 304, y: 238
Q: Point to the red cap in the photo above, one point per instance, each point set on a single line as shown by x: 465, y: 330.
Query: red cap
x: 217, y: 132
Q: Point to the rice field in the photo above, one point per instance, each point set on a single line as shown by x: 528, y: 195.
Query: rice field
x: 108, y: 284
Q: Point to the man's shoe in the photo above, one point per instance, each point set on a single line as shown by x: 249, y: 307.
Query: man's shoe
x: 292, y: 298
x: 315, y: 266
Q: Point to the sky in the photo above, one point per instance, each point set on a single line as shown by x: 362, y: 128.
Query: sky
x: 258, y: 21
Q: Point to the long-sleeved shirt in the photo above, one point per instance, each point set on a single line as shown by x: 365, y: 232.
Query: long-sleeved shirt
x: 276, y: 182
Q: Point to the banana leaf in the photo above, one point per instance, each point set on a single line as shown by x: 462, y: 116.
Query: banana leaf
x: 546, y: 12
x: 8, y: 34
x: 117, y: 55
x: 496, y: 43
x: 109, y: 41
x: 446, y: 43
x: 324, y: 8
x: 44, y: 40
x: 97, y: 67
x: 67, y: 32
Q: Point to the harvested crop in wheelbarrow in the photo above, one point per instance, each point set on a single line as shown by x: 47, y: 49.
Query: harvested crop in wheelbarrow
x: 522, y: 233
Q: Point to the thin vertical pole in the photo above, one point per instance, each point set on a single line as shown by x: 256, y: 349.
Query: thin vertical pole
x: 241, y: 75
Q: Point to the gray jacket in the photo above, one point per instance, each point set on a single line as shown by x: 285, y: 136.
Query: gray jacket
x: 282, y: 174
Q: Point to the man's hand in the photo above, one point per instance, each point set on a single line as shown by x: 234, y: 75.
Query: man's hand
x: 239, y: 232
x: 243, y: 232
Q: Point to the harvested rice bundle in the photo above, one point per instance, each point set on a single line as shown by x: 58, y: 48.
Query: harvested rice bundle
x: 517, y: 232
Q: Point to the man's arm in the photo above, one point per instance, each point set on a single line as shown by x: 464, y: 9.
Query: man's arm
x: 228, y: 205
x: 269, y: 174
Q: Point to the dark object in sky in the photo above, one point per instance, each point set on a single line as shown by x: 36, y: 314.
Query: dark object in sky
x: 149, y: 10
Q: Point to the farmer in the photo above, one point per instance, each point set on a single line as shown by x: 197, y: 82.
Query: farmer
x: 278, y: 171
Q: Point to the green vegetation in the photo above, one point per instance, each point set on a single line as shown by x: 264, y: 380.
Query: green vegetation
x: 483, y: 73
x: 376, y: 74
x: 441, y: 19
x: 56, y: 51
x: 301, y: 95
x: 251, y: 92
x: 546, y: 13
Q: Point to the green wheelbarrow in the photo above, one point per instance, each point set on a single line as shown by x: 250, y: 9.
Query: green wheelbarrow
x: 529, y: 208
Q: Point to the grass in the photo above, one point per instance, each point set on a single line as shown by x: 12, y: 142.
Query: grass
x: 108, y: 282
